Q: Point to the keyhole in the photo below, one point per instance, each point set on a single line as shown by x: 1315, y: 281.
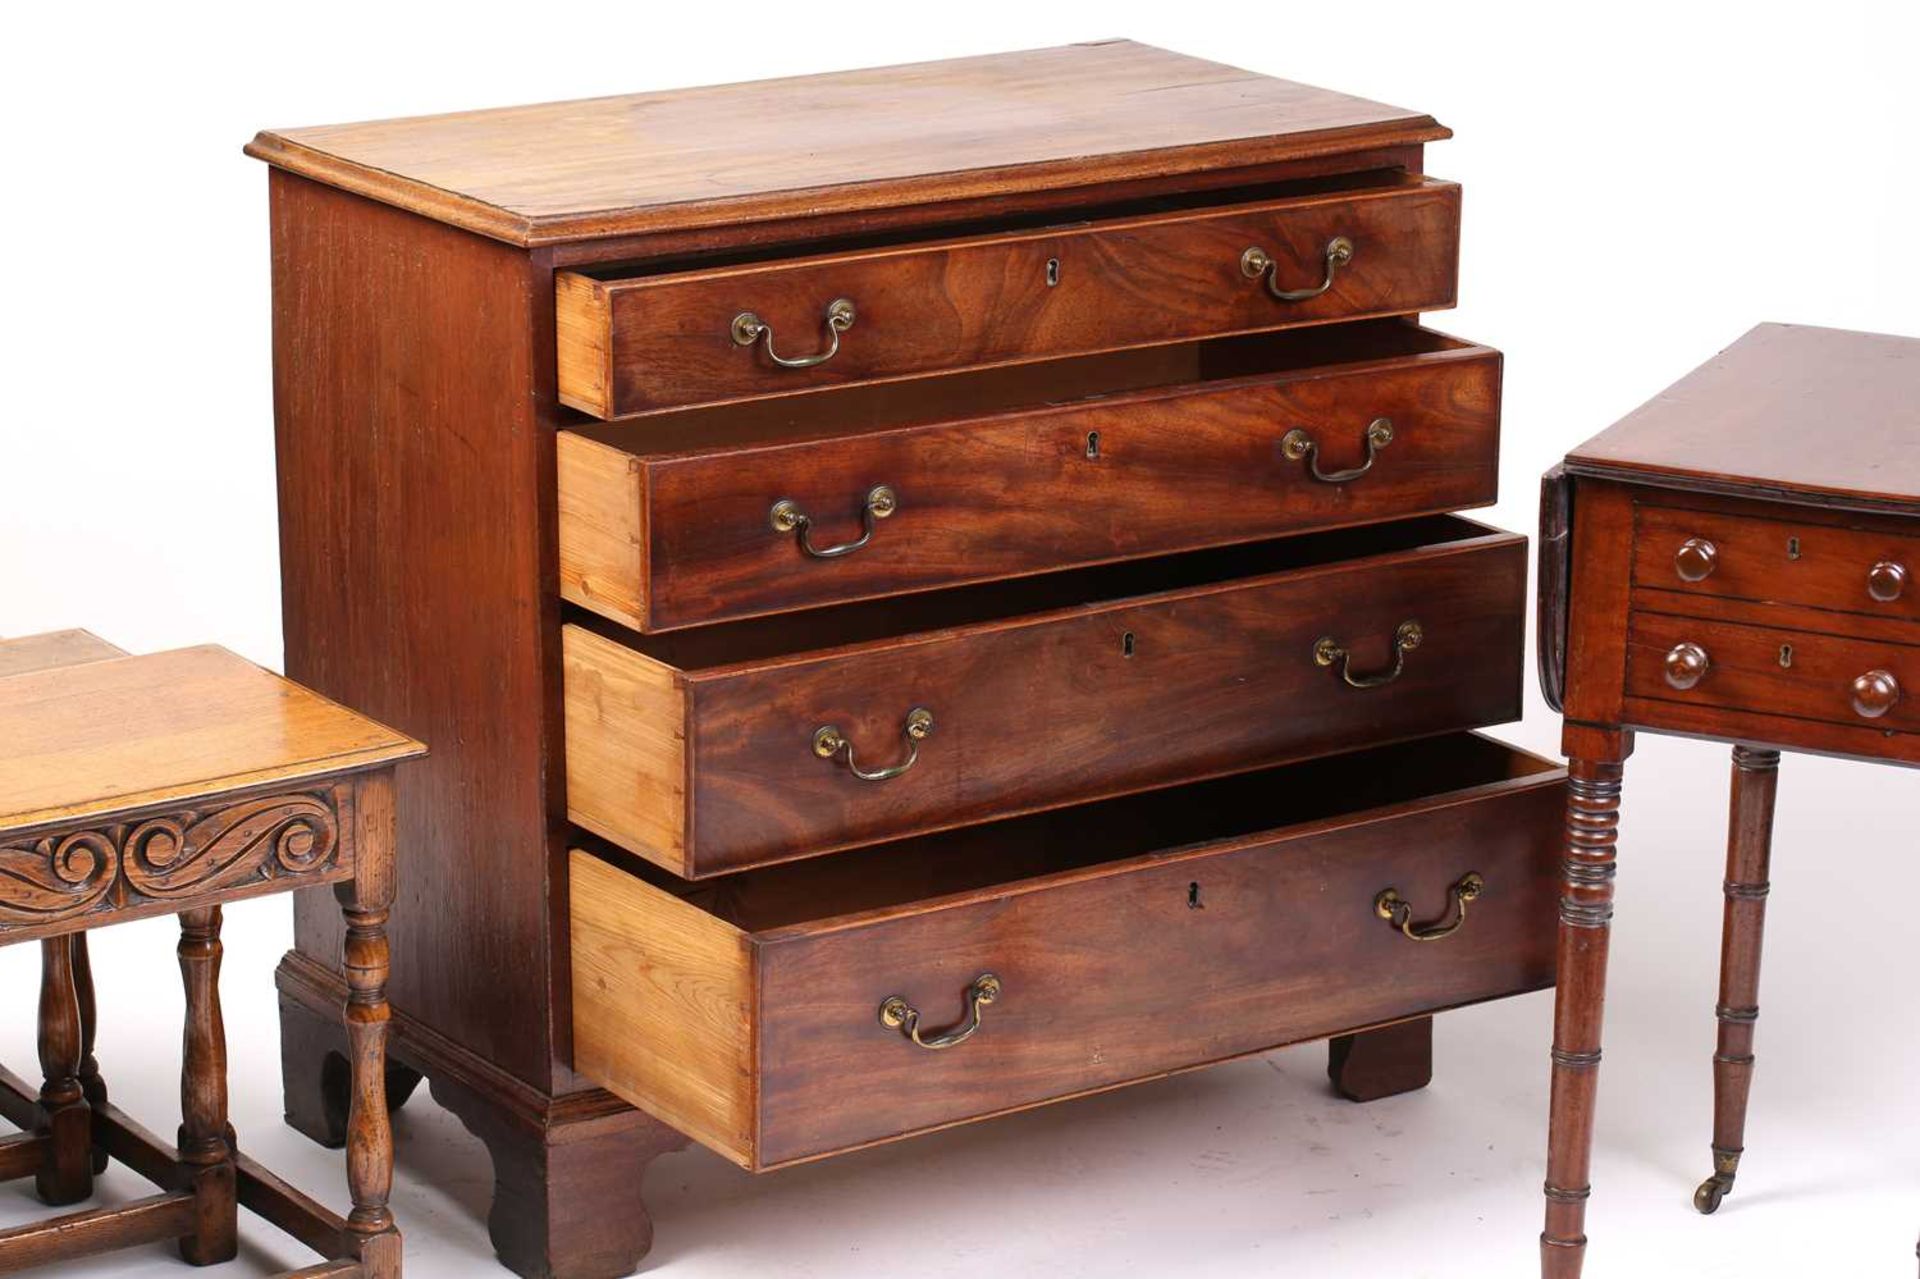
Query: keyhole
x: 1093, y: 445
x: 1053, y: 272
x: 1193, y: 897
x: 1793, y: 548
x: 1126, y: 644
x: 1786, y: 655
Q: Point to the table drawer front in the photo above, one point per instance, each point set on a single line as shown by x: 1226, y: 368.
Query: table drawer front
x: 1114, y: 973
x: 1717, y: 554
x: 1795, y: 675
x: 641, y: 343
x: 693, y: 540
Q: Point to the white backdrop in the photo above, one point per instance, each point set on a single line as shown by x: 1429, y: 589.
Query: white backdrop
x: 1643, y: 182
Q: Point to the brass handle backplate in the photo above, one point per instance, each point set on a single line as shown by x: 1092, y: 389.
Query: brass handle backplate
x: 1875, y: 693
x: 829, y: 741
x: 1330, y: 652
x: 749, y: 328
x: 1299, y: 445
x: 1398, y: 911
x: 1256, y: 263
x: 897, y: 1014
x: 787, y: 517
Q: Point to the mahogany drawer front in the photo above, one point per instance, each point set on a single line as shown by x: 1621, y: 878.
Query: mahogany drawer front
x: 1810, y: 676
x: 638, y: 343
x: 659, y: 540
x: 1854, y: 568
x: 1235, y: 663
x: 748, y: 1015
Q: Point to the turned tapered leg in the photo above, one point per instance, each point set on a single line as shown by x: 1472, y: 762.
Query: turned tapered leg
x: 1756, y: 775
x: 206, y: 1152
x: 1586, y: 915
x: 1382, y: 1063
x: 66, y: 1174
x: 91, y: 1084
x: 365, y: 901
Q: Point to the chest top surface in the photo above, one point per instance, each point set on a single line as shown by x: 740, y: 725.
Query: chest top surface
x: 84, y: 739
x: 1821, y: 417
x: 970, y: 127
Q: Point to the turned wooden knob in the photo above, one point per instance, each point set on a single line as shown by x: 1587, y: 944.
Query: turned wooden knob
x: 1875, y: 693
x: 1695, y: 559
x: 1687, y: 665
x: 1887, y: 581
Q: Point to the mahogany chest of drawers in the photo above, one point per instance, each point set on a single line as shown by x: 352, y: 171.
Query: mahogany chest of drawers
x: 915, y: 618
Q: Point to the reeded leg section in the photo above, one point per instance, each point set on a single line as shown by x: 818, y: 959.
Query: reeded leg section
x: 566, y: 1198
x: 1586, y: 915
x: 1756, y: 775
x: 1382, y: 1063
x: 66, y: 1174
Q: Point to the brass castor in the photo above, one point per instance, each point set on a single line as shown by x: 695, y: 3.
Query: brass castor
x: 1706, y: 1200
x: 1726, y: 1163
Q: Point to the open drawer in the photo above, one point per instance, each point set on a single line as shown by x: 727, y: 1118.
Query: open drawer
x: 714, y: 514
x: 632, y: 342
x: 767, y: 1015
x: 708, y: 751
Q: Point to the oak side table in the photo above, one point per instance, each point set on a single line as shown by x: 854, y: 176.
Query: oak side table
x: 171, y: 784
x: 1731, y: 561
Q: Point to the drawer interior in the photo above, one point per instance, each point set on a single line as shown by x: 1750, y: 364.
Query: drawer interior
x: 836, y: 412
x: 1118, y: 832
x: 761, y: 639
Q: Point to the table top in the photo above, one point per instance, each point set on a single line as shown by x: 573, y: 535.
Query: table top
x: 87, y: 732
x: 1823, y: 417
x: 55, y: 648
x: 890, y: 136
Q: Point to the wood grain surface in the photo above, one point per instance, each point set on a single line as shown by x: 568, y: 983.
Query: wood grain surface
x: 657, y: 341
x: 133, y: 732
x: 1760, y: 556
x: 416, y: 487
x: 25, y: 653
x: 1123, y: 679
x: 1822, y: 416
x: 1799, y: 674
x: 1072, y: 116
x: 1119, y: 962
x: 659, y: 531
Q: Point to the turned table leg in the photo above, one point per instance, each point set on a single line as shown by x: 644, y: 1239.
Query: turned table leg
x: 91, y: 1084
x: 1756, y: 775
x: 365, y: 901
x: 1586, y: 914
x: 205, y: 1150
x: 66, y: 1174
